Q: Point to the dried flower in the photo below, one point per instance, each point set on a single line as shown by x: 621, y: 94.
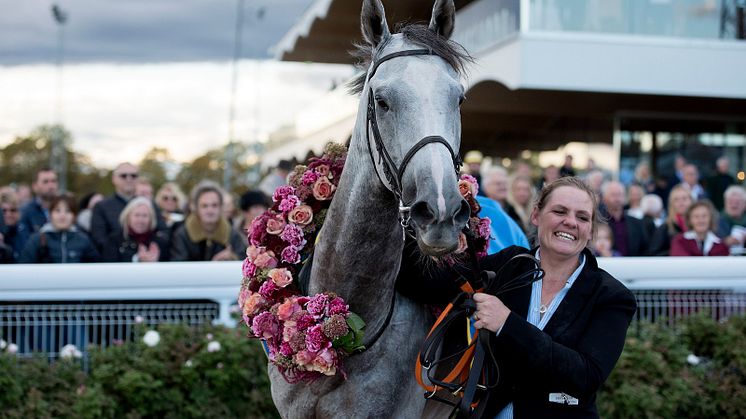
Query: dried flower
x: 335, y: 327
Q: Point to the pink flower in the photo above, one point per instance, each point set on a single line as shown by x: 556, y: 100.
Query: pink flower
x: 285, y: 349
x: 265, y: 260
x: 323, y: 189
x: 288, y: 203
x: 282, y: 192
x: 290, y: 255
x: 293, y: 235
x: 338, y: 306
x: 301, y: 215
x: 248, y: 269
x: 253, y: 304
x: 287, y: 309
x: 305, y: 357
x: 281, y: 277
x: 309, y: 177
x: 275, y: 224
x: 484, y: 228
x: 466, y: 188
x: 266, y: 326
x: 258, y: 229
x: 322, y: 170
x: 316, y: 340
x: 268, y: 289
x: 325, y: 362
x: 243, y: 295
x: 318, y: 304
x: 305, y: 321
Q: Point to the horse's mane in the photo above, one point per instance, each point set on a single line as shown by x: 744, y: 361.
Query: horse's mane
x: 418, y: 34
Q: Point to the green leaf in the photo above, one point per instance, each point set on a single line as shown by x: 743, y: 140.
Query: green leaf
x: 355, y: 322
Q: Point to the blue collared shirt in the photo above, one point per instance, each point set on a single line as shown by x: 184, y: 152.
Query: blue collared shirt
x: 535, y: 317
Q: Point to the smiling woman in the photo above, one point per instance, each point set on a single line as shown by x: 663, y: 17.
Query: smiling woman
x: 555, y: 338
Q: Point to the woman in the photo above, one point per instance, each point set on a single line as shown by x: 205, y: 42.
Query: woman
x: 137, y: 240
x: 495, y: 185
x: 679, y: 200
x: 700, y: 239
x: 520, y: 196
x: 556, y: 339
x: 206, y: 234
x: 59, y: 241
x: 171, y: 201
x: 9, y: 231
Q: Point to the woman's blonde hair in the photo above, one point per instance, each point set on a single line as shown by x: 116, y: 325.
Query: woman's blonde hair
x: 134, y: 203
x: 523, y: 211
x: 671, y: 216
x: 167, y: 187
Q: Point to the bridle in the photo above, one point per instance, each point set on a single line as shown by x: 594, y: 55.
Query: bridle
x: 394, y: 175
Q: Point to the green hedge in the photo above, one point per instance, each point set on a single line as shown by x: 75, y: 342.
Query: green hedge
x: 658, y: 376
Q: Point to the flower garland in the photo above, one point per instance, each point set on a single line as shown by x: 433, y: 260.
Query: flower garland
x: 308, y: 337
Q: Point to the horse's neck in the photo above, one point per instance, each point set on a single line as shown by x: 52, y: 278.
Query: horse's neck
x: 360, y: 245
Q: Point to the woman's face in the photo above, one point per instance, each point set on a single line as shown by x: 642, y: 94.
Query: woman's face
x: 680, y: 201
x: 168, y: 201
x: 11, y: 214
x: 61, y: 216
x: 521, y: 192
x: 209, y: 209
x: 496, y: 186
x: 139, y: 220
x: 700, y: 218
x: 603, y: 242
x: 564, y: 225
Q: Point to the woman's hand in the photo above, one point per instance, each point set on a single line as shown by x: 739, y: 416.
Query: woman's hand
x: 148, y: 254
x: 491, y: 313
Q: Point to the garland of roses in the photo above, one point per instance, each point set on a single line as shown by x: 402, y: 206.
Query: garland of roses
x: 308, y: 337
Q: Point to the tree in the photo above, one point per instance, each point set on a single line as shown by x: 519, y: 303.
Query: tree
x: 152, y: 166
x: 210, y: 166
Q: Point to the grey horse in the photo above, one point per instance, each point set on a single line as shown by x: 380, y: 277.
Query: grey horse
x: 360, y: 246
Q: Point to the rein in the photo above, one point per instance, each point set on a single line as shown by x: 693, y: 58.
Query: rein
x: 394, y: 175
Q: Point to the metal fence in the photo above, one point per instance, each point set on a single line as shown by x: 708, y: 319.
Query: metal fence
x: 673, y: 306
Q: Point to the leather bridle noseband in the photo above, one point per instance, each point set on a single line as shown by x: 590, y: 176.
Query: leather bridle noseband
x: 394, y: 176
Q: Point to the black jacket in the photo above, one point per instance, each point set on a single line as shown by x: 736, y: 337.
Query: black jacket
x: 105, y: 219
x: 574, y: 354
x: 51, y: 246
x: 121, y: 249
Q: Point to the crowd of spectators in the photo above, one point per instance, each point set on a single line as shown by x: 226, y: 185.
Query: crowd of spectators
x: 677, y: 215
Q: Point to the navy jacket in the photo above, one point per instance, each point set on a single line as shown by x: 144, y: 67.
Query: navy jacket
x: 52, y: 246
x: 574, y: 354
x: 33, y: 218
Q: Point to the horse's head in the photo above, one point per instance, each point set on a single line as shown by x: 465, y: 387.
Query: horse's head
x: 413, y: 92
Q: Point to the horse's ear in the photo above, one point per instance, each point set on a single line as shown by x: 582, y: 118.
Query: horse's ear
x: 443, y: 18
x: 373, y: 22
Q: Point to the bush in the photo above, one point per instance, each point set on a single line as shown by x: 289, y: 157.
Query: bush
x: 177, y: 378
x: 698, y: 371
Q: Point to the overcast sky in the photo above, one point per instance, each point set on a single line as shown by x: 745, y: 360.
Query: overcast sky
x: 143, y: 73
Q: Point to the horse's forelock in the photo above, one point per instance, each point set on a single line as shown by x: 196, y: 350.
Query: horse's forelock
x: 452, y: 52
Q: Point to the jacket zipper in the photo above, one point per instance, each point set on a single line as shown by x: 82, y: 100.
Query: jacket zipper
x: 63, y: 241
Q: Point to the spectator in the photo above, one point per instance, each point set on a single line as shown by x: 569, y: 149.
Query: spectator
x: 495, y: 185
x: 719, y: 182
x: 252, y: 203
x: 143, y: 187
x: 678, y: 176
x: 24, y: 195
x: 505, y: 231
x: 651, y: 206
x: 549, y: 175
x: 206, y: 234
x: 277, y: 178
x: 603, y: 244
x: 36, y: 213
x: 700, y: 238
x: 679, y: 201
x: 691, y: 178
x: 473, y: 161
x: 635, y: 193
x: 594, y: 179
x: 10, y: 217
x: 229, y: 207
x: 521, y: 197
x: 171, y: 201
x: 59, y: 241
x: 629, y: 234
x: 644, y: 178
x: 84, y: 216
x: 566, y: 169
x: 523, y: 168
x: 137, y: 240
x: 733, y: 215
x: 105, y: 219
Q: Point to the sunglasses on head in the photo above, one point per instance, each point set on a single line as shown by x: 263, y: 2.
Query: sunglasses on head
x: 130, y: 175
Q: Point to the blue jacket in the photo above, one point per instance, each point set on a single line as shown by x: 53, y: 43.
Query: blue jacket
x: 33, y: 218
x: 505, y: 231
x: 53, y: 246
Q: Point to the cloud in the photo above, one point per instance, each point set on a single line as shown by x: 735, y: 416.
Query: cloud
x: 139, y: 31
x: 117, y: 112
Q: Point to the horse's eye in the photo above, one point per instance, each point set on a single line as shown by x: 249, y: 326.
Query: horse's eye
x: 382, y: 104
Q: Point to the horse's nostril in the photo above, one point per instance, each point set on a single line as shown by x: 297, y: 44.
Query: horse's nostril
x: 461, y: 216
x: 422, y: 214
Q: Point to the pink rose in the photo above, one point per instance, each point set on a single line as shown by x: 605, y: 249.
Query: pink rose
x: 322, y: 170
x: 253, y: 304
x: 275, y: 224
x: 466, y: 188
x: 305, y: 357
x: 325, y: 362
x: 301, y: 215
x: 323, y: 189
x: 281, y: 277
x: 265, y: 260
x: 288, y: 203
x: 287, y: 309
x: 282, y: 192
x: 290, y: 255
